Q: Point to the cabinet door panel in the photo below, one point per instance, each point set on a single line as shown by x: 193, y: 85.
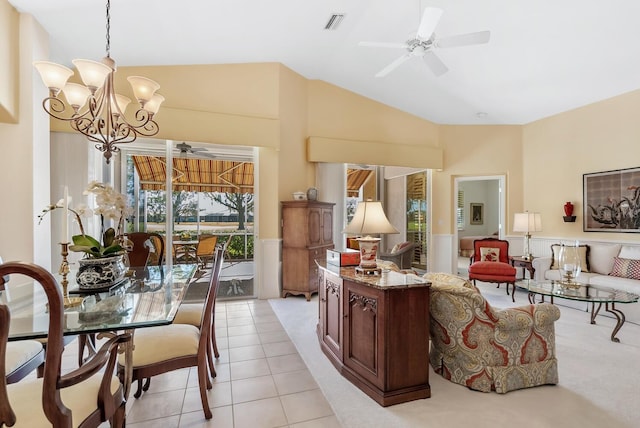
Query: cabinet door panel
x: 315, y: 225
x: 327, y: 226
x: 363, y: 332
x: 332, y: 314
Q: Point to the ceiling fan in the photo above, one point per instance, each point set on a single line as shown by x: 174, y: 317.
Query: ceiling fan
x: 186, y: 150
x: 423, y: 44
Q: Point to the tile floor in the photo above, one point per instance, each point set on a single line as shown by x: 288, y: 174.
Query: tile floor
x: 262, y: 381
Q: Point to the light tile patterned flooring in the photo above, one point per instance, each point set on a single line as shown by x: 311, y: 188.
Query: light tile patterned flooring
x: 261, y: 381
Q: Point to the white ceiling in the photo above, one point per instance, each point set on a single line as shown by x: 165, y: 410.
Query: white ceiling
x: 544, y: 56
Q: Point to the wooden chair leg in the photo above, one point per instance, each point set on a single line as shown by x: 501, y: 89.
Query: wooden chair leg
x: 203, y: 380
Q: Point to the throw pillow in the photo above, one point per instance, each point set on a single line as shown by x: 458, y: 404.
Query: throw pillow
x: 395, y: 249
x: 584, y: 257
x: 626, y: 268
x: 601, y: 257
x: 627, y: 252
x: 488, y: 254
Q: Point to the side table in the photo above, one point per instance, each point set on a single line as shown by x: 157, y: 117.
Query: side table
x: 520, y: 261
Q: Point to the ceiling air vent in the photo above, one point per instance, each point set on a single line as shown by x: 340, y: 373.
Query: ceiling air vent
x: 334, y: 21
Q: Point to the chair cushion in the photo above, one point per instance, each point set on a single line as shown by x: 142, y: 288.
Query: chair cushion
x: 81, y: 399
x: 189, y: 313
x: 19, y: 353
x: 162, y: 343
x: 493, y: 268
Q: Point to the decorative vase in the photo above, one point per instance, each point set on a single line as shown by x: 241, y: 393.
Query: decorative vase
x: 100, y: 273
x: 569, y: 265
x: 312, y: 193
x: 568, y: 209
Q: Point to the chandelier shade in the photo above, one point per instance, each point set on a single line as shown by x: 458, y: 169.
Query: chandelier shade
x: 95, y: 109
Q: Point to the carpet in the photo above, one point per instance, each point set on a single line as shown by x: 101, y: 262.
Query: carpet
x: 599, y: 380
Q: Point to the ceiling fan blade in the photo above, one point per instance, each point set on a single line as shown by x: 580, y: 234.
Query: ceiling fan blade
x: 430, y: 19
x: 464, y: 39
x: 393, y: 65
x: 434, y: 63
x: 383, y: 45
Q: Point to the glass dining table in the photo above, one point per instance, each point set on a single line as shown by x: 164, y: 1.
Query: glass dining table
x: 148, y: 297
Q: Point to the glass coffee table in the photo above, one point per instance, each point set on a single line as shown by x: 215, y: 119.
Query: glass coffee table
x: 596, y: 295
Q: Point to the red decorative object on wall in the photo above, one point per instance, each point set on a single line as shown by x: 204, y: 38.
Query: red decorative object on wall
x: 568, y: 213
x: 568, y: 209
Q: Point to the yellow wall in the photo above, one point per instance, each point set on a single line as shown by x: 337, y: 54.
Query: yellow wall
x: 477, y: 151
x: 558, y: 150
x: 9, y: 23
x: 272, y: 107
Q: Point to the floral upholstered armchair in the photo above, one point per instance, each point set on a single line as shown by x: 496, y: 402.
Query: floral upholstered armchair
x: 489, y: 349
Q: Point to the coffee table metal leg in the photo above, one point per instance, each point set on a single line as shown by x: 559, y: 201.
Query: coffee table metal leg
x: 619, y: 316
x: 595, y: 311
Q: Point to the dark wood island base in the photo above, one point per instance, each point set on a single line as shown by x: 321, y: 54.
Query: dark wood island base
x: 375, y: 331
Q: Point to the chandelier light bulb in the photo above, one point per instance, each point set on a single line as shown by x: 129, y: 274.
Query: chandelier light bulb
x: 92, y: 73
x: 53, y: 75
x: 143, y: 88
x: 76, y: 95
x: 153, y: 105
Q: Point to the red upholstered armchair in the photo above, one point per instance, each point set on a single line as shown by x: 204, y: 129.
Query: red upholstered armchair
x: 490, y: 263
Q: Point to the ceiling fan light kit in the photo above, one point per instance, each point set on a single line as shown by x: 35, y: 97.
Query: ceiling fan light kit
x: 423, y: 44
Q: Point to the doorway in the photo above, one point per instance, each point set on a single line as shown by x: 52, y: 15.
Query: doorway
x: 479, y: 212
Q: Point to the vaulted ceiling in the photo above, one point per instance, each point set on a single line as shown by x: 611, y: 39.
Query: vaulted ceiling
x: 543, y: 57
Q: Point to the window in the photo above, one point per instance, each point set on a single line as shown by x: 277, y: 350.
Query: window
x: 460, y: 210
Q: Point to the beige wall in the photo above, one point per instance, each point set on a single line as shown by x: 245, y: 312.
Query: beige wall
x: 24, y: 164
x: 476, y: 151
x: 560, y: 149
x: 9, y: 24
x: 271, y: 107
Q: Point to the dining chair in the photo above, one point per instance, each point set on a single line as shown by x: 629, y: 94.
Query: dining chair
x: 171, y: 347
x: 191, y: 313
x: 205, y: 249
x: 142, y: 242
x: 23, y: 356
x: 84, y: 397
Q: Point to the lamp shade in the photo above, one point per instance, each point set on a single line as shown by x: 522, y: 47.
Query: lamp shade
x: 527, y: 222
x: 369, y: 219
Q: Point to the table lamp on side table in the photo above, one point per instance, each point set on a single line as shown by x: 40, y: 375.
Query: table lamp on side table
x: 368, y: 220
x: 527, y: 222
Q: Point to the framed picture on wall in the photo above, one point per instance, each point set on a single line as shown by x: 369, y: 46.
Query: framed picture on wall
x: 477, y: 215
x: 611, y: 201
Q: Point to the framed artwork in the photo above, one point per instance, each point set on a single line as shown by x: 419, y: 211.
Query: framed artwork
x: 611, y: 201
x: 477, y: 214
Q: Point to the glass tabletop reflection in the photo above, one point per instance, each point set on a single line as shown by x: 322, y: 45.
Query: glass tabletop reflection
x: 148, y: 297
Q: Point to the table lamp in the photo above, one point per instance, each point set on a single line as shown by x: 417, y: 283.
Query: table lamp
x: 369, y: 219
x: 527, y: 222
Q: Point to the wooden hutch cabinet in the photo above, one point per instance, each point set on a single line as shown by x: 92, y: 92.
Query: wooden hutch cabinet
x: 375, y: 331
x: 307, y: 234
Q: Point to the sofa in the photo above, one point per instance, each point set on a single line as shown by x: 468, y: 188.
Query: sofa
x: 612, y: 265
x: 485, y: 348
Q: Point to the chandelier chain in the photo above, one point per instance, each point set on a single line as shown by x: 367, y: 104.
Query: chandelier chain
x: 108, y: 47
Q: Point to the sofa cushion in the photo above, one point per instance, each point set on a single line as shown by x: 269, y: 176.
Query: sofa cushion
x: 582, y: 278
x: 626, y: 268
x: 584, y: 257
x: 488, y: 254
x: 601, y: 257
x: 625, y: 284
x: 629, y: 252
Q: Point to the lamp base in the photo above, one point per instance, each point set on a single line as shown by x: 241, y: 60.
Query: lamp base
x: 368, y: 270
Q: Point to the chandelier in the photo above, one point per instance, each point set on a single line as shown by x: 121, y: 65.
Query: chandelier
x: 94, y: 109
